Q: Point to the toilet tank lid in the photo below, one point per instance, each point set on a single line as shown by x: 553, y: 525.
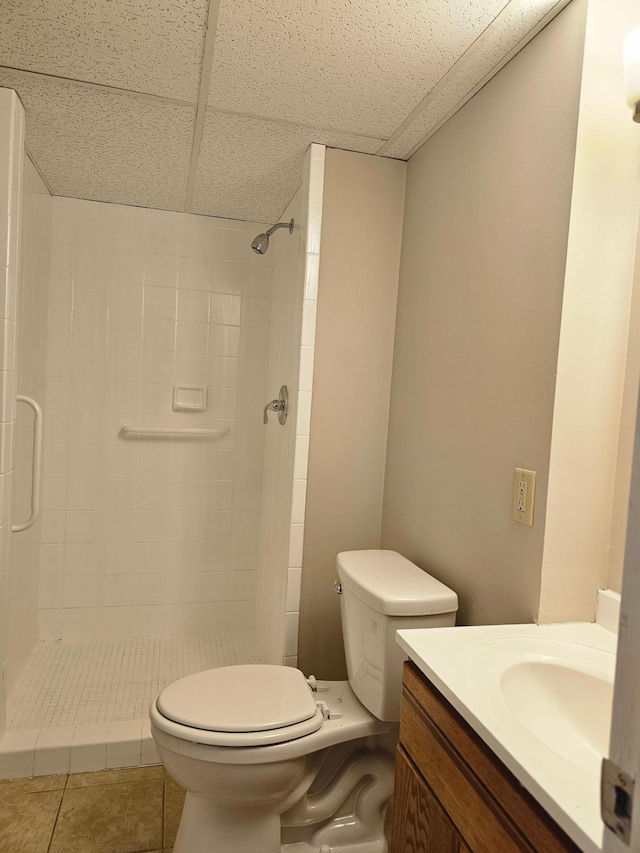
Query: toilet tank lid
x: 393, y: 585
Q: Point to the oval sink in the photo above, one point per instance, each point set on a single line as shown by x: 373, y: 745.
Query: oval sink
x: 559, y: 692
x: 568, y: 709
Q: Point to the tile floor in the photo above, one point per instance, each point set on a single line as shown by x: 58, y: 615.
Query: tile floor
x: 84, y: 706
x: 71, y: 683
x: 111, y: 811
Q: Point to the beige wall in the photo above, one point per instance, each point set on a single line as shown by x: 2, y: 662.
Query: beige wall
x: 591, y: 457
x: 627, y: 435
x: 583, y: 542
x: 361, y: 236
x: 483, y: 260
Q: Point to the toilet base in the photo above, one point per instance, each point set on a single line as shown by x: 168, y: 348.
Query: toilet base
x: 344, y: 812
x: 254, y: 799
x: 207, y: 827
x: 344, y: 815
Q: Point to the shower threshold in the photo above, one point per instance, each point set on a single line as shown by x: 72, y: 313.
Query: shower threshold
x: 81, y: 706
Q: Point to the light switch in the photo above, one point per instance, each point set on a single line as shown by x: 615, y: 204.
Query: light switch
x: 524, y: 490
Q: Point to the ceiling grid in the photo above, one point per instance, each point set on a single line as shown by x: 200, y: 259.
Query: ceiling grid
x: 209, y: 105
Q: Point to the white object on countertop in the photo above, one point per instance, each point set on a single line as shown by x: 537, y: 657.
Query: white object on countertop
x: 608, y: 609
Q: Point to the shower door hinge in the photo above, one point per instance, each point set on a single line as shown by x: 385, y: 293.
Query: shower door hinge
x: 616, y: 799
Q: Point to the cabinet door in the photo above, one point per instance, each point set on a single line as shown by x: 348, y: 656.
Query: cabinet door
x: 419, y: 823
x: 483, y: 801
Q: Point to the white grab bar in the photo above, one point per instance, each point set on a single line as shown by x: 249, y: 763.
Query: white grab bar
x: 37, y: 464
x: 127, y: 429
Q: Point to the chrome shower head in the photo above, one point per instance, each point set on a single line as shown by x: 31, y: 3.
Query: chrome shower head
x: 260, y: 243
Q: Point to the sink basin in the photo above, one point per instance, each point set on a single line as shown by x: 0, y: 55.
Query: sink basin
x: 560, y: 692
x: 567, y: 709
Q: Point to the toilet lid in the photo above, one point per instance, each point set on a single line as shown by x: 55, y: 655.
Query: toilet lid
x: 247, y: 698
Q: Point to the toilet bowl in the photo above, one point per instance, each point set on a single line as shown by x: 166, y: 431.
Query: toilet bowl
x: 239, y: 783
x: 248, y: 742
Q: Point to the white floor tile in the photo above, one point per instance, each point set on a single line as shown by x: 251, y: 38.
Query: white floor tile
x: 83, y: 706
x: 109, y: 681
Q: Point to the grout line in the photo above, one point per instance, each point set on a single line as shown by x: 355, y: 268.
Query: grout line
x: 203, y: 96
x: 524, y: 41
x: 55, y: 822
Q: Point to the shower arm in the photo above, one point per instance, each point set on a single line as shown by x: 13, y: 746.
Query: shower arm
x: 273, y: 228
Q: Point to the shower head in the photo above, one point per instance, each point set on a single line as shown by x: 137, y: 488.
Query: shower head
x: 261, y: 243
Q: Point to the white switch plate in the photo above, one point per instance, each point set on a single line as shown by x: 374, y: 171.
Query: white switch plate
x: 524, y: 492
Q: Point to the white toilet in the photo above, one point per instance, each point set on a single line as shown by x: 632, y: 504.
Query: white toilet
x: 247, y: 742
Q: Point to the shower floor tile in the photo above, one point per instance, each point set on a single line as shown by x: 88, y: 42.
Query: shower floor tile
x: 84, y: 706
x: 85, y: 683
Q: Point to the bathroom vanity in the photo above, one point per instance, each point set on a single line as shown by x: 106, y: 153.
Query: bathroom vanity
x: 452, y: 795
x: 503, y: 730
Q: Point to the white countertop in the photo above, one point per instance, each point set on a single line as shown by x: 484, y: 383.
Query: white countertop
x: 468, y: 666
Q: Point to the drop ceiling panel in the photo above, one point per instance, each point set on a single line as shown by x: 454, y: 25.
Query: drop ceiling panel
x: 96, y: 144
x: 368, y: 75
x: 143, y: 45
x: 361, y: 65
x: 521, y: 19
x: 250, y: 168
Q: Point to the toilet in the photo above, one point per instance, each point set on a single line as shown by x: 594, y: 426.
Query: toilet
x: 266, y: 754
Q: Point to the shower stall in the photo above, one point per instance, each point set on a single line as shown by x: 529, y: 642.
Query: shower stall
x: 170, y: 527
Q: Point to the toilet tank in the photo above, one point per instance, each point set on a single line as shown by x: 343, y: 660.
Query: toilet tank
x: 382, y: 592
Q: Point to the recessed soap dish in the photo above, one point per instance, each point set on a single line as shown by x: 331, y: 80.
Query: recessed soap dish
x: 189, y: 398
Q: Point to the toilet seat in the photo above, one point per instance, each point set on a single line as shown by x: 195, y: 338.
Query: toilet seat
x: 353, y: 721
x: 238, y: 706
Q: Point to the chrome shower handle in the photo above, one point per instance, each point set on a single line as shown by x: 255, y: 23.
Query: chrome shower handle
x: 273, y: 406
x: 281, y: 406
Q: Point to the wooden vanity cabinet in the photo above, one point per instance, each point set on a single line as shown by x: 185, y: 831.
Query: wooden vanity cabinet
x: 452, y: 794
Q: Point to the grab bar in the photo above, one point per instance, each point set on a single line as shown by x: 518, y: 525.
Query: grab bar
x: 37, y: 464
x: 127, y: 429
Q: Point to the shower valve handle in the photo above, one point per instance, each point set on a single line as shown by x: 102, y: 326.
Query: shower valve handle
x: 273, y: 406
x: 281, y: 406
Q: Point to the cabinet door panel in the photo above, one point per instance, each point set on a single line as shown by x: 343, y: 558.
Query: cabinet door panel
x: 482, y: 826
x: 484, y: 802
x: 420, y: 825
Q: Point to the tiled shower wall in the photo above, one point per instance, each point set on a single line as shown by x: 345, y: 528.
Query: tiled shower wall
x: 152, y: 535
x: 31, y: 338
x: 293, y: 326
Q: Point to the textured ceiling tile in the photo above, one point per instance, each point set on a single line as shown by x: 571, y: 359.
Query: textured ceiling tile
x: 152, y: 46
x: 96, y: 144
x: 360, y: 65
x: 250, y: 169
x: 488, y: 54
